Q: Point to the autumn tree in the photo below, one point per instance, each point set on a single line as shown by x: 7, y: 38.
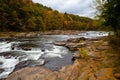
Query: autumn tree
x: 24, y: 15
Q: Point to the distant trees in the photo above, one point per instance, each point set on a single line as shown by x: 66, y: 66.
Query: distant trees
x: 24, y: 15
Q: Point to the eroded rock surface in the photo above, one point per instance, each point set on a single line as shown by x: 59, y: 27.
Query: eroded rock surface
x: 73, y: 43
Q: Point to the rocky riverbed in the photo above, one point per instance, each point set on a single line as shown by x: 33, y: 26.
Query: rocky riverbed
x: 97, y: 65
x: 90, y: 51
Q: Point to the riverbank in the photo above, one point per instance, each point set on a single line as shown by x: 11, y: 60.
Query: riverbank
x: 34, y: 34
x: 95, y: 61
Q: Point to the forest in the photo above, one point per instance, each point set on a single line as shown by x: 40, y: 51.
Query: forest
x: 25, y: 15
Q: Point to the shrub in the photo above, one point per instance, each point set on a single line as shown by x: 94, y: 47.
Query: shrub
x: 83, y: 53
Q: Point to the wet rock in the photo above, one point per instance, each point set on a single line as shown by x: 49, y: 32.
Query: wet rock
x: 72, y: 44
x: 11, y: 54
x: 76, y: 40
x: 7, y: 54
x: 43, y: 50
x: 26, y: 48
x: 117, y: 75
x: 60, y: 43
x: 75, y: 46
x: 22, y: 65
x: 1, y: 70
x: 1, y: 63
x: 38, y: 73
x: 12, y: 47
x: 29, y: 63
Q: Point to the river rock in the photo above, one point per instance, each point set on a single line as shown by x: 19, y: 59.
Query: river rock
x: 11, y: 54
x: 1, y: 70
x: 26, y: 48
x: 29, y: 63
x: 60, y: 43
x: 73, y: 43
x: 76, y: 40
x: 1, y: 63
x: 27, y: 45
x: 75, y: 46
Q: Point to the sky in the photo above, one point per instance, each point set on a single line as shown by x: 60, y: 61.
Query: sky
x: 78, y: 7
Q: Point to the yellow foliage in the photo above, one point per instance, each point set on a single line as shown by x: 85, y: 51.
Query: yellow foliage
x: 83, y: 53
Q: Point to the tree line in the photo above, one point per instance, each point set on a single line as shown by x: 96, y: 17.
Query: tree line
x: 24, y: 15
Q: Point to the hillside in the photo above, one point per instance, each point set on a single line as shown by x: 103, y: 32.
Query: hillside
x: 24, y: 15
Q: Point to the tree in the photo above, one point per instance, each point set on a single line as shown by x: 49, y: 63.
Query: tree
x: 30, y: 24
x: 110, y: 13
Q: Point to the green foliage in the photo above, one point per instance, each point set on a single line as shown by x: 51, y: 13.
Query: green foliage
x: 110, y: 14
x: 24, y: 15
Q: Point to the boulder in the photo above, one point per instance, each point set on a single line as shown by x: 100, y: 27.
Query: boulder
x: 75, y: 46
x: 60, y: 43
x: 1, y: 70
x: 72, y: 44
x: 28, y: 63
x: 1, y: 63
x: 76, y: 40
x: 26, y: 48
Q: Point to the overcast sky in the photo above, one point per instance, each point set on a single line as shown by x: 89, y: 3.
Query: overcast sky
x: 79, y: 7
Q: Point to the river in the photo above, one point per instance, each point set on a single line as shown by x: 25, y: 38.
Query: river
x: 38, y: 51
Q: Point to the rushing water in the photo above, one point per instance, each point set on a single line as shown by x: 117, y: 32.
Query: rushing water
x: 37, y: 51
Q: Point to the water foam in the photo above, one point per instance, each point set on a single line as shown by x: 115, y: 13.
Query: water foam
x: 8, y: 65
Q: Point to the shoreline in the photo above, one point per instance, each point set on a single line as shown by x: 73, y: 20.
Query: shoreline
x: 83, y: 68
x: 32, y: 34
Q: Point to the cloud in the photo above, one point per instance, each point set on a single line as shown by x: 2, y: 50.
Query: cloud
x: 79, y: 7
